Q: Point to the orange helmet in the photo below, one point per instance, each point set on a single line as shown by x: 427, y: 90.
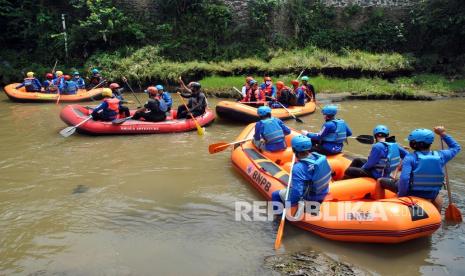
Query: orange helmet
x: 279, y: 84
x: 153, y: 91
x: 267, y: 79
x: 295, y: 83
x: 49, y: 76
x: 67, y: 77
x: 114, y: 85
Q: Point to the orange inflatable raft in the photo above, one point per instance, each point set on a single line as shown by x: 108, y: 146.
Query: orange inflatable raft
x: 238, y: 111
x: 355, y: 210
x: 20, y: 95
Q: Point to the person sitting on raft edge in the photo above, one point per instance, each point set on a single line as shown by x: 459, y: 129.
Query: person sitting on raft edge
x: 110, y: 107
x: 283, y: 96
x: 30, y: 83
x: 154, y: 109
x: 254, y: 94
x: 197, y: 101
x: 311, y: 175
x: 423, y: 170
x: 270, y: 132
x: 384, y: 157
x: 332, y: 135
x: 308, y: 89
x: 165, y: 96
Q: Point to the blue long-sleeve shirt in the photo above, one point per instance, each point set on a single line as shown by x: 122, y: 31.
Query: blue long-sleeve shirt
x: 35, y: 84
x: 167, y: 98
x: 379, y: 151
x: 80, y: 82
x: 259, y: 129
x: 409, y: 164
x: 300, y: 94
x: 328, y: 128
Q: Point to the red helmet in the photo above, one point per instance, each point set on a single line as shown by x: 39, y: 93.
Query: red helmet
x: 114, y: 86
x: 49, y: 76
x: 279, y: 84
x: 267, y: 79
x: 152, y: 90
x: 295, y: 83
x: 67, y: 77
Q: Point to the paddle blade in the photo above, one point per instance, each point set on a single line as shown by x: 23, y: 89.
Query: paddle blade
x: 218, y: 147
x: 365, y: 139
x: 453, y: 214
x: 200, y: 130
x: 120, y: 121
x: 68, y: 131
x: 279, y: 235
x: 391, y: 139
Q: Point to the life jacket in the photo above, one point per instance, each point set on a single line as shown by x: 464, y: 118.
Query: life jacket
x: 428, y: 174
x: 254, y: 96
x: 55, y: 84
x: 319, y: 183
x: 113, y: 107
x: 30, y: 85
x: 272, y: 131
x: 70, y: 87
x: 267, y: 90
x: 339, y: 135
x: 391, y: 161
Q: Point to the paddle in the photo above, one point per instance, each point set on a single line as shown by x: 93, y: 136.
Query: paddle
x: 364, y: 139
x: 453, y: 214
x: 54, y: 66
x: 221, y: 146
x: 121, y: 120
x: 70, y: 130
x: 238, y: 91
x: 200, y: 130
x: 279, y: 235
x: 292, y: 115
x: 130, y: 88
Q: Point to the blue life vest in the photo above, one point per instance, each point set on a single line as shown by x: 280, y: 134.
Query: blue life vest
x: 428, y: 175
x: 70, y: 87
x: 272, y: 131
x: 319, y: 183
x: 162, y: 105
x: 339, y: 135
x: 29, y: 84
x: 389, y: 163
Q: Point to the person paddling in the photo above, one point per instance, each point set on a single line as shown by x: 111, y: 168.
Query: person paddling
x: 95, y: 78
x: 197, y: 101
x: 110, y: 107
x: 283, y: 95
x: 78, y: 80
x: 47, y: 82
x: 383, y: 159
x: 154, y: 109
x: 270, y: 132
x: 70, y: 87
x: 308, y: 89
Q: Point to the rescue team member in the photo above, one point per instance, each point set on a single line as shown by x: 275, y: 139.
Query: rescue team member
x: 283, y: 95
x: 197, y: 101
x: 308, y: 89
x: 299, y: 94
x: 57, y: 83
x: 30, y: 83
x: 78, y: 80
x: 110, y: 108
x: 332, y: 135
x: 69, y: 86
x: 165, y: 96
x: 246, y: 86
x: 423, y: 170
x: 117, y: 90
x: 267, y: 88
x: 95, y: 78
x: 47, y: 82
x: 383, y: 159
x: 270, y: 132
x: 254, y: 94
x: 310, y: 176
x: 154, y: 109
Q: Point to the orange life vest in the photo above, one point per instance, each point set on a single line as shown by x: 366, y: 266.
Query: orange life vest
x: 113, y: 104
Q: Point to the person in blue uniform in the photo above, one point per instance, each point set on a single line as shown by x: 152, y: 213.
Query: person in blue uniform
x: 311, y: 175
x: 70, y: 87
x: 384, y: 157
x: 423, y: 170
x: 78, y: 80
x: 30, y: 83
x: 329, y: 140
x: 165, y: 96
x: 270, y: 132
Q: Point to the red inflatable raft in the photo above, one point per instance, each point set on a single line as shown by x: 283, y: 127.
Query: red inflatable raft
x: 74, y: 114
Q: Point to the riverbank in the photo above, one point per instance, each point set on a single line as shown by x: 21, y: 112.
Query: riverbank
x: 417, y: 87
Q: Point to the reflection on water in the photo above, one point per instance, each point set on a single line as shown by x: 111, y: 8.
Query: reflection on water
x: 161, y: 203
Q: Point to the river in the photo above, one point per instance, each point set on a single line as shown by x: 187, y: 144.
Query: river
x: 161, y: 204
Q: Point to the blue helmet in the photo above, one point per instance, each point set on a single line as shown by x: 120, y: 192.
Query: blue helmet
x: 159, y: 87
x: 95, y: 71
x: 301, y: 143
x: 422, y: 135
x: 252, y: 82
x: 76, y: 73
x: 329, y: 110
x: 305, y: 78
x: 381, y: 129
x: 263, y: 111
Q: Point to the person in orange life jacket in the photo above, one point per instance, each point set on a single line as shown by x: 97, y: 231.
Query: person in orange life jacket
x: 47, y: 82
x: 282, y: 95
x: 78, y: 80
x: 154, y: 109
x: 246, y: 86
x: 308, y: 89
x: 253, y: 93
x: 95, y: 78
x: 383, y: 159
x: 57, y: 83
x: 268, y: 89
x: 110, y: 107
x: 197, y: 101
x: 299, y: 93
x: 423, y: 170
x: 310, y: 176
x: 329, y: 140
x: 269, y: 132
x: 69, y: 86
x: 30, y: 83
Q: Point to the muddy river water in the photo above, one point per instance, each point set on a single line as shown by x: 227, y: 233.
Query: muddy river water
x: 160, y: 204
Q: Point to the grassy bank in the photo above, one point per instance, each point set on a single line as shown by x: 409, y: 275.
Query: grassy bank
x: 404, y: 87
x: 145, y: 65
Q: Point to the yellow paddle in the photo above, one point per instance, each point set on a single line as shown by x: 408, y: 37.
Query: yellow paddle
x: 452, y: 212
x: 221, y: 146
x: 279, y: 235
x: 200, y: 130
